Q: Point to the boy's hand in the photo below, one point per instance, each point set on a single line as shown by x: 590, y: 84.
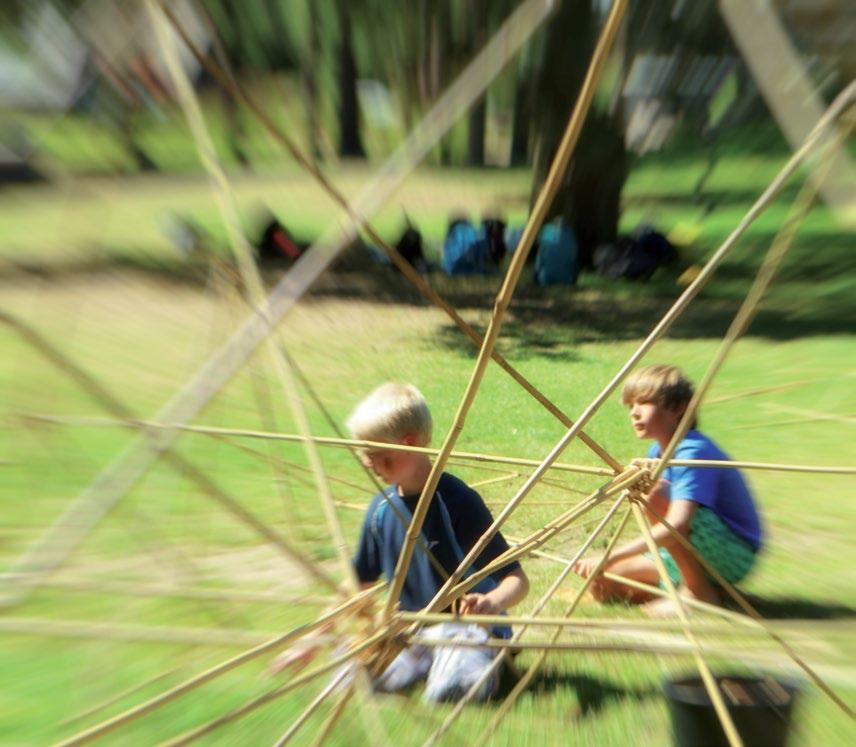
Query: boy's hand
x: 586, y: 566
x: 297, y: 657
x: 479, y: 604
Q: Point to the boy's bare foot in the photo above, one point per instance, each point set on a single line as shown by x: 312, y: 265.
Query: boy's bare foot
x: 662, y: 608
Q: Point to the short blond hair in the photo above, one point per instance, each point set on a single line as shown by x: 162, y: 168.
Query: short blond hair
x: 661, y: 384
x: 391, y: 412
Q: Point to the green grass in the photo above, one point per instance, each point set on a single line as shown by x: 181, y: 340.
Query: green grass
x: 109, y: 289
x: 143, y: 339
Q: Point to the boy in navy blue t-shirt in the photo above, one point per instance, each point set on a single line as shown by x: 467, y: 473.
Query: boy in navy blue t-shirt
x: 712, y: 507
x: 457, y: 517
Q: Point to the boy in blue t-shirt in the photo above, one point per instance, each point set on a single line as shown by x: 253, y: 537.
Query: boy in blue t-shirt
x: 712, y: 507
x: 457, y: 517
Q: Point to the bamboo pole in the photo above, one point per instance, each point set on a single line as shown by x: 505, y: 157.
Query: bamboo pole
x: 776, y: 423
x: 257, y: 702
x: 449, y: 592
x: 593, y: 646
x: 494, y: 480
x: 100, y: 706
x: 768, y: 466
x: 779, y: 247
x: 503, y: 655
x: 131, y: 632
x: 846, y: 419
x: 131, y: 464
x: 754, y: 615
x: 250, y: 275
x: 333, y: 718
x: 311, y: 708
x: 458, y: 455
x: 503, y: 299
x: 759, y: 390
x: 668, y: 319
x: 586, y: 625
x: 231, y: 86
x: 322, y: 440
x: 694, y: 603
x: 333, y: 523
x: 710, y: 685
x: 173, y: 693
x: 157, y: 590
x: 44, y: 556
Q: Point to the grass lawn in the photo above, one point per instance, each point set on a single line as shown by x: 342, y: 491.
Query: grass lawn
x: 143, y: 338
x: 77, y: 261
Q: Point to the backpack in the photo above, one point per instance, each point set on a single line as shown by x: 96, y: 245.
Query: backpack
x: 556, y: 261
x: 276, y: 243
x: 493, y: 233
x: 463, y: 252
x: 635, y: 256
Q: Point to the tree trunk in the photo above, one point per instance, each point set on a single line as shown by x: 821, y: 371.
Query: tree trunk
x: 520, y: 122
x: 598, y: 173
x: 310, y: 83
x: 350, y: 143
x: 232, y: 115
x: 478, y: 114
x: 475, y: 133
x: 590, y: 196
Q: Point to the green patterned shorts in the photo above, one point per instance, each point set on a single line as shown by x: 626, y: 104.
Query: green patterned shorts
x: 731, y: 556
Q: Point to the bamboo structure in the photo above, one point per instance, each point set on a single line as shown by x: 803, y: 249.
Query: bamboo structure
x: 382, y: 636
x: 462, y: 456
x: 133, y: 463
x: 231, y: 86
x: 503, y: 299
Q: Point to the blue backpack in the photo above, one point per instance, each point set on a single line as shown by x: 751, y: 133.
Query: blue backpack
x: 556, y: 261
x: 464, y: 251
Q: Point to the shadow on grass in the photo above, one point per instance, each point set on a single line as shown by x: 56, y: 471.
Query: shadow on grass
x: 815, y: 295
x: 592, y: 693
x: 784, y: 608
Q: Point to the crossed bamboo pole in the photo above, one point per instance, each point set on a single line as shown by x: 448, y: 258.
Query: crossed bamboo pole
x: 99, y: 730
x: 732, y: 465
x: 834, y: 110
x: 724, y: 716
x: 772, y: 260
x: 350, y: 443
x: 520, y: 35
x: 500, y: 659
x: 125, y: 471
x: 768, y: 269
x: 184, y: 466
x: 710, y: 685
x: 229, y: 84
x: 503, y: 299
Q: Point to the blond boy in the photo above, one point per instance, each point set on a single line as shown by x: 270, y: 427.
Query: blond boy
x: 711, y: 507
x: 457, y: 517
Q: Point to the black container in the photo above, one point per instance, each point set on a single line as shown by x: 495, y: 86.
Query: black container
x: 759, y: 706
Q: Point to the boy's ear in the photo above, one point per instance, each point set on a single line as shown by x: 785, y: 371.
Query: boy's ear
x: 410, y: 439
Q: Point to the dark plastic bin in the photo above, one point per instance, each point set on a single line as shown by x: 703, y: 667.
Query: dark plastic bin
x: 760, y: 707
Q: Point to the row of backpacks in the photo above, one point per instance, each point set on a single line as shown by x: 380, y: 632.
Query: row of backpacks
x: 472, y: 250
x: 468, y: 250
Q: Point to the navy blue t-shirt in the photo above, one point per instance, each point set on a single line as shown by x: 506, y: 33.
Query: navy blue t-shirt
x: 383, y: 535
